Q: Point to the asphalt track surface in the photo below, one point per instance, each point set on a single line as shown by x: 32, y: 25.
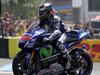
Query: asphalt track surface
x: 6, y: 67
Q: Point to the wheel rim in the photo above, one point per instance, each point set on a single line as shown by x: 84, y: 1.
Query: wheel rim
x: 86, y: 65
x: 25, y: 68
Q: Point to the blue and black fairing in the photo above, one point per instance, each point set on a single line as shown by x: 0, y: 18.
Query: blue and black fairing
x: 79, y: 34
x: 74, y: 37
x: 36, y: 34
x: 24, y: 39
x: 28, y: 39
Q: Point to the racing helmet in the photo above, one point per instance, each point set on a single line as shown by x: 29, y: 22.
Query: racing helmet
x: 45, y: 10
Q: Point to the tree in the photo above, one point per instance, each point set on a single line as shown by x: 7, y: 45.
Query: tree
x: 24, y: 8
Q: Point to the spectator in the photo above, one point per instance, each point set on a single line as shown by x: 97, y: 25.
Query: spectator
x: 77, y: 26
x: 11, y: 30
x: 32, y: 20
x: 6, y: 21
x: 17, y: 27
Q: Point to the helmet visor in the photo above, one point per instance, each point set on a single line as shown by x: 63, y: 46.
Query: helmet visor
x: 42, y: 13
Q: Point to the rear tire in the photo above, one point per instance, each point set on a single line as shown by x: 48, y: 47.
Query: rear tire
x: 84, y: 61
x: 72, y: 73
x: 88, y: 64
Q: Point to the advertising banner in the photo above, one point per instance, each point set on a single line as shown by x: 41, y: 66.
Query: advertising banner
x: 93, y: 47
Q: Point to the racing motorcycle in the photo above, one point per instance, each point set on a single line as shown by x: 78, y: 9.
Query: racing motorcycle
x: 39, y: 58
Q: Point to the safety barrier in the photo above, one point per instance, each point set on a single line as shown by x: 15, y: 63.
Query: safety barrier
x: 4, y: 48
x: 9, y: 47
x: 13, y: 47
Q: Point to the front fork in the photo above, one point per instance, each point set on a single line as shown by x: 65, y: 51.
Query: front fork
x: 29, y: 57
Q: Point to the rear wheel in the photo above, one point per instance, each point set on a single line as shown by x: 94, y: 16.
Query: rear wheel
x: 87, y: 64
x: 83, y: 62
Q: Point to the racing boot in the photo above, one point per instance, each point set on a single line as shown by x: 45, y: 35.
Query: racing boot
x: 66, y: 55
x: 68, y: 58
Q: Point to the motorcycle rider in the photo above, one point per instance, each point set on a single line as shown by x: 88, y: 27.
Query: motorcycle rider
x: 50, y: 20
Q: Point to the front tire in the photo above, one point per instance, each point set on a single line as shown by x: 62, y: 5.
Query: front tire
x: 20, y: 67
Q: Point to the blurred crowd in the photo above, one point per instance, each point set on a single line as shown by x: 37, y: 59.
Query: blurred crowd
x: 14, y: 27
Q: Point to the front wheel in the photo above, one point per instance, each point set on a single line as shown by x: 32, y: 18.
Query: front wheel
x: 23, y: 64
